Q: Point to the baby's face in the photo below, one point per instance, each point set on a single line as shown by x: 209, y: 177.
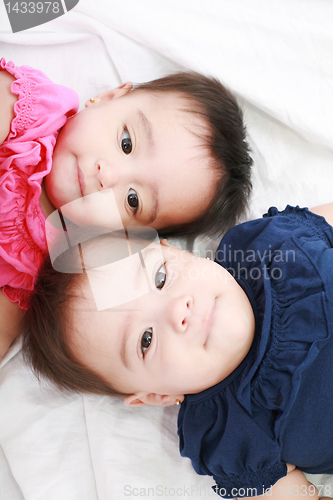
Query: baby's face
x: 186, y: 326
x: 140, y: 145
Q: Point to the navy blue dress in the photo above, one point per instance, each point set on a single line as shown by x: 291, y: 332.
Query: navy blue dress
x: 277, y: 406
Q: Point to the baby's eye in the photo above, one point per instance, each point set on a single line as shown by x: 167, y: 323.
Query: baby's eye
x: 160, y: 277
x: 126, y: 142
x: 146, y: 339
x: 133, y: 199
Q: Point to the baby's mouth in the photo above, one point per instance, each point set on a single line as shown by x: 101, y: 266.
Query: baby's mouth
x: 81, y: 180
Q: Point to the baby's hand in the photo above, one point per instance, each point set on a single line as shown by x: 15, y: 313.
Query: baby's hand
x: 292, y: 485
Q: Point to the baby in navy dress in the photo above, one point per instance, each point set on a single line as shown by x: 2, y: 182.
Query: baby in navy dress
x: 242, y: 344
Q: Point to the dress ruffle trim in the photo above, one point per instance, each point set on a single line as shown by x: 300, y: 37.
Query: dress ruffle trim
x: 23, y: 106
x: 261, y: 481
x: 316, y: 223
x: 22, y: 222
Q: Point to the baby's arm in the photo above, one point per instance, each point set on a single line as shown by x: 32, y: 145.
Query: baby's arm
x: 294, y: 485
x: 10, y: 313
x: 7, y: 101
x: 11, y: 316
x: 325, y: 211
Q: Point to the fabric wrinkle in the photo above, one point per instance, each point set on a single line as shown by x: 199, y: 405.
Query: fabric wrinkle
x: 25, y: 159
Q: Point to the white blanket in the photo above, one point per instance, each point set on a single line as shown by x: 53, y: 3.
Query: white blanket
x: 277, y: 57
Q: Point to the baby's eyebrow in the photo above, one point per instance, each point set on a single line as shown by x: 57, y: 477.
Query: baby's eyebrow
x: 152, y: 212
x: 148, y: 129
x: 124, y: 342
x: 143, y: 268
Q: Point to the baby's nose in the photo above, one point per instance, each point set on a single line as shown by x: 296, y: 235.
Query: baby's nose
x: 179, y: 312
x: 107, y: 174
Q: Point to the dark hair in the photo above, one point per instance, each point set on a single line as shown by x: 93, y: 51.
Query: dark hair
x: 45, y: 333
x: 225, y: 138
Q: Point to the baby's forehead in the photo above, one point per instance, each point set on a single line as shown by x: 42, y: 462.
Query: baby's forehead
x: 171, y: 101
x: 162, y: 96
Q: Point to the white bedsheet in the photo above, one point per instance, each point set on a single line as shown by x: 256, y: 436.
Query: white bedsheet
x: 277, y: 56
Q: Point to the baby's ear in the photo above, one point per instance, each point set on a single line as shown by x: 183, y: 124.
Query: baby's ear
x: 152, y: 399
x: 165, y: 242
x: 110, y: 94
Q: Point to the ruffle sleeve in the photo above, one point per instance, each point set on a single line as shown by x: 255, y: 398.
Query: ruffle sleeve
x: 42, y: 108
x: 223, y: 441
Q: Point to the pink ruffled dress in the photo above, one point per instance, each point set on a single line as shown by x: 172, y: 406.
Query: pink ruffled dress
x: 41, y: 110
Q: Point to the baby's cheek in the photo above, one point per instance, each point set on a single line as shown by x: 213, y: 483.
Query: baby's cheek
x: 97, y: 209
